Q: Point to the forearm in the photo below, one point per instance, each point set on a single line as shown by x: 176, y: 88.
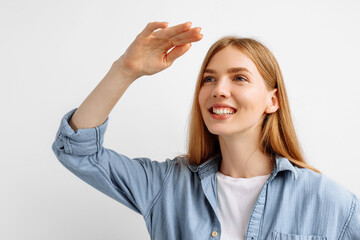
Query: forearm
x: 98, y: 105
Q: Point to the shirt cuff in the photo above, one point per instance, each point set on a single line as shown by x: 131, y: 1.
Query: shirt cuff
x: 85, y: 141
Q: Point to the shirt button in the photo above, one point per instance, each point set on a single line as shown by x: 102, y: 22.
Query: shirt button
x: 214, y: 233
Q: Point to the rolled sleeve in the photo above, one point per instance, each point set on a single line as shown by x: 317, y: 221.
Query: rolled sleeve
x: 135, y: 183
x: 81, y: 142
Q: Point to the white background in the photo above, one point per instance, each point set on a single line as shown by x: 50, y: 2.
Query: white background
x: 53, y: 53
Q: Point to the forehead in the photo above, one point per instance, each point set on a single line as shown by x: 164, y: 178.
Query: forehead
x: 231, y: 57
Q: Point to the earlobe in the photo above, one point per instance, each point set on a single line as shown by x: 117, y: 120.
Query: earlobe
x: 271, y: 109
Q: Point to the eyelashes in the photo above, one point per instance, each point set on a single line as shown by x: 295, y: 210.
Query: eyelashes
x: 241, y: 77
x: 237, y: 78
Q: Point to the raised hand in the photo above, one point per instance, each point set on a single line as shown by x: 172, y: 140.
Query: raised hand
x: 149, y: 52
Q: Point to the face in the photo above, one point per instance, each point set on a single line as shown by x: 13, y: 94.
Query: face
x: 233, y: 98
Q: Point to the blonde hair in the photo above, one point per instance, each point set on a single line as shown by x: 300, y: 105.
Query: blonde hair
x: 277, y: 137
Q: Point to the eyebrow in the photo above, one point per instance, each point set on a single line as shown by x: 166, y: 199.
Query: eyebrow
x: 230, y: 70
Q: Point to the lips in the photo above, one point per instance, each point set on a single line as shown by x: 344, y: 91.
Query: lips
x: 221, y: 111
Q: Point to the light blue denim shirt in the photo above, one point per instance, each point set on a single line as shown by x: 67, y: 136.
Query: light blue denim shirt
x: 179, y: 200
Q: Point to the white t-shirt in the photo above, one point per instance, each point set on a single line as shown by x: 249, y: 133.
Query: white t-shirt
x: 236, y: 199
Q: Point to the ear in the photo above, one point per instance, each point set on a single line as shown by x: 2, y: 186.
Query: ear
x: 273, y: 102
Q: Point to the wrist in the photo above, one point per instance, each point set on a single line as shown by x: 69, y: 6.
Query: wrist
x: 123, y: 71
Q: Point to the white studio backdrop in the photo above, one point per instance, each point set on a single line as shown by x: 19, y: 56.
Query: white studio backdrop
x: 54, y: 53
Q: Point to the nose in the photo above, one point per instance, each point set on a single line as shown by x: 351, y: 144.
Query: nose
x: 221, y: 89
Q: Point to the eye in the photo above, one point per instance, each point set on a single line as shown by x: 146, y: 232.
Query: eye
x: 240, y: 78
x: 208, y: 79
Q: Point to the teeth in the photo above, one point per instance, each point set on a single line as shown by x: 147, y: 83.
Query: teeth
x: 223, y: 111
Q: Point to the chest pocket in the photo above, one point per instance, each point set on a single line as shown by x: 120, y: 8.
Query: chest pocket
x: 285, y: 236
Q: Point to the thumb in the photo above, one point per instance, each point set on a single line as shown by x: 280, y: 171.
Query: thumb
x: 177, y: 52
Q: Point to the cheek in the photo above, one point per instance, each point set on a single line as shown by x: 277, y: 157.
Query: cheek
x: 202, y: 97
x: 251, y: 100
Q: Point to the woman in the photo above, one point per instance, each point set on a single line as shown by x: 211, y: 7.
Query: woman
x: 243, y: 177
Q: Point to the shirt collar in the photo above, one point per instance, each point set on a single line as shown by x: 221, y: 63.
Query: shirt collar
x: 212, y: 165
x: 283, y: 164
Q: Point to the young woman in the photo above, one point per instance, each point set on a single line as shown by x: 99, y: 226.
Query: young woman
x: 244, y: 176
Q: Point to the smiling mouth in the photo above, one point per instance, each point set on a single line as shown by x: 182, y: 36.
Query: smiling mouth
x: 222, y: 110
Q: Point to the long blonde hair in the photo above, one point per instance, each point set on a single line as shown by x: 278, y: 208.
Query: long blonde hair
x: 277, y: 137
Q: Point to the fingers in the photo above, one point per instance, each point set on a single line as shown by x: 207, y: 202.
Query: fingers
x: 193, y: 35
x: 177, y: 35
x: 187, y: 40
x: 151, y: 27
x: 172, y: 31
x: 177, y: 52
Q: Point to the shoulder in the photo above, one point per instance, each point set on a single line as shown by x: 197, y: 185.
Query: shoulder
x: 178, y: 164
x: 185, y: 170
x: 333, y: 201
x: 322, y: 205
x: 181, y: 164
x: 326, y: 190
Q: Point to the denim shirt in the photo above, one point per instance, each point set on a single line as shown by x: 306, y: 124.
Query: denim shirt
x: 179, y: 201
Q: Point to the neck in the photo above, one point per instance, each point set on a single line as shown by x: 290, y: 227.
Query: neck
x: 242, y: 157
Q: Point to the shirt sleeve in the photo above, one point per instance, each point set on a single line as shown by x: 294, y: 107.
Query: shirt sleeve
x: 136, y: 183
x: 352, y: 231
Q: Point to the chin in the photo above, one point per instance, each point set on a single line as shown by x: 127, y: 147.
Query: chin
x: 220, y: 131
